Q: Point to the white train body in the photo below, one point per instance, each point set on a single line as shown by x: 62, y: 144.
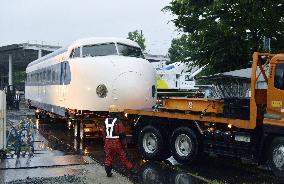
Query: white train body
x: 90, y: 75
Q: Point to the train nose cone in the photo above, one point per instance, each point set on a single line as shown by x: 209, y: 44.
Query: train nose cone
x: 133, y: 90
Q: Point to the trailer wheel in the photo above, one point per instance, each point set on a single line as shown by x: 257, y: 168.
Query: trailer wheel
x: 276, y: 156
x: 184, y: 145
x: 152, y: 145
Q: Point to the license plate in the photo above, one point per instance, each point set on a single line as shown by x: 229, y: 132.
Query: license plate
x: 276, y: 103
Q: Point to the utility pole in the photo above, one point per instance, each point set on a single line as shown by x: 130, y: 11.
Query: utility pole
x: 10, y: 71
x: 266, y: 44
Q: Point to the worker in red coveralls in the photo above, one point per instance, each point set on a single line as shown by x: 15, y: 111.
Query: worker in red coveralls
x: 114, y: 141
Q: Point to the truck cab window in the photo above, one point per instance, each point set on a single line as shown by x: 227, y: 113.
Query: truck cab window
x: 187, y: 78
x: 279, y: 76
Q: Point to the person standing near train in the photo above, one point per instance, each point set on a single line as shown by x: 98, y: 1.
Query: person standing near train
x: 115, y: 141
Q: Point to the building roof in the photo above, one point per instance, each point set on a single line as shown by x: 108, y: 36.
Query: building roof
x: 22, y: 54
x: 29, y: 46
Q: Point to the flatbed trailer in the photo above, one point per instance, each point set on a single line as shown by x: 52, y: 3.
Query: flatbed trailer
x: 252, y: 128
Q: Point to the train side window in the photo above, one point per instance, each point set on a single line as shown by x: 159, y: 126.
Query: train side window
x: 28, y: 78
x: 57, y: 74
x: 31, y: 76
x: 36, y: 78
x: 41, y: 76
x: 75, y: 53
x: 44, y: 76
x: 48, y: 75
x: 53, y: 76
x: 279, y: 76
x: 57, y: 77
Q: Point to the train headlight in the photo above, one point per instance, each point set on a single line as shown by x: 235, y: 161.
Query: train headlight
x: 101, y: 91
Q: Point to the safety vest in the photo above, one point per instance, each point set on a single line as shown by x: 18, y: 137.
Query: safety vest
x: 110, y: 134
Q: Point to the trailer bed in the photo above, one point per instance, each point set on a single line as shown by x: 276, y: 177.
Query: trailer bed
x: 187, y: 115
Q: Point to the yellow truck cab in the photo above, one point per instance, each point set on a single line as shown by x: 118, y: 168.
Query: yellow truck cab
x: 240, y: 127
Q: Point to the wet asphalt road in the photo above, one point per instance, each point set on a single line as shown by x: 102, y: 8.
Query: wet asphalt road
x: 211, y: 169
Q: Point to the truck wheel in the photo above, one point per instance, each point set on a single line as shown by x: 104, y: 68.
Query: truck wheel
x: 184, y: 145
x: 150, y: 173
x: 151, y: 144
x: 276, y: 156
x: 183, y: 177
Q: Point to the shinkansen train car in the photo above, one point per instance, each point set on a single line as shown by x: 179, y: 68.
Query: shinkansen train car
x: 89, y: 75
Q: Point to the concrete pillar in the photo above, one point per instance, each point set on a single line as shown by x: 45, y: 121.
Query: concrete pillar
x: 39, y: 53
x: 2, y: 121
x: 10, y: 70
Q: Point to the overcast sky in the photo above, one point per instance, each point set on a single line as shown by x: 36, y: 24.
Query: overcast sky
x: 63, y: 21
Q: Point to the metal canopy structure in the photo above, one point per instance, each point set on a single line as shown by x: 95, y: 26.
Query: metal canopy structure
x: 20, y: 55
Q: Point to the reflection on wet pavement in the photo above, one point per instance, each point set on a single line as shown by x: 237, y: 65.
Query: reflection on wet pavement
x: 224, y: 170
x: 152, y: 173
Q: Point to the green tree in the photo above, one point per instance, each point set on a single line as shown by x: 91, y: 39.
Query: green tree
x: 138, y: 37
x: 19, y: 79
x: 225, y: 33
x: 179, y: 50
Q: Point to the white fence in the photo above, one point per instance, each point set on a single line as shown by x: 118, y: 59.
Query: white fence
x: 2, y: 120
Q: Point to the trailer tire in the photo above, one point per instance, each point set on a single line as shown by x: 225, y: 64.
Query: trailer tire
x: 152, y: 146
x: 184, y: 145
x: 276, y: 156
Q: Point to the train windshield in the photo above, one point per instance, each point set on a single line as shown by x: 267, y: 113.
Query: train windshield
x: 99, y: 50
x: 126, y: 50
x: 107, y: 49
